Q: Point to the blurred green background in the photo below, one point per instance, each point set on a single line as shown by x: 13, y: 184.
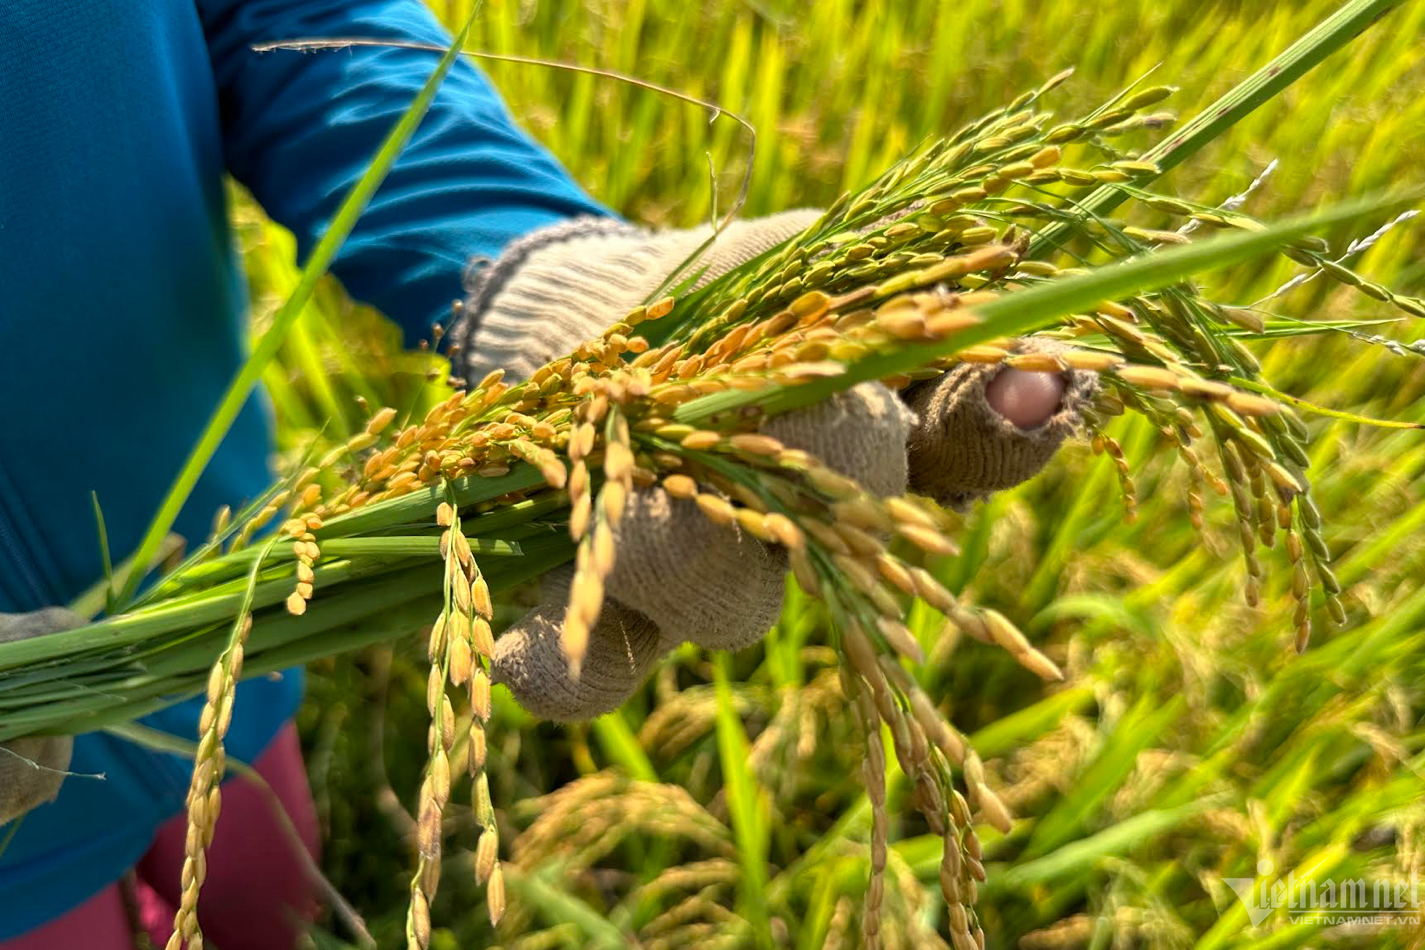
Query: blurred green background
x: 1187, y: 742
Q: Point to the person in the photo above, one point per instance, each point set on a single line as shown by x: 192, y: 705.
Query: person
x: 124, y: 322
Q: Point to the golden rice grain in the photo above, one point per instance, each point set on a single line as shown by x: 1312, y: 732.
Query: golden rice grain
x: 1249, y: 404
x: 701, y: 441
x: 495, y: 895
x: 1149, y: 377
x: 1037, y: 362
x: 1008, y: 636
x: 486, y: 856
x: 930, y: 541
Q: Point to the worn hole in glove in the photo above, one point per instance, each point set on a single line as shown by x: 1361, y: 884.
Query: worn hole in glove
x: 1025, y: 397
x: 964, y: 448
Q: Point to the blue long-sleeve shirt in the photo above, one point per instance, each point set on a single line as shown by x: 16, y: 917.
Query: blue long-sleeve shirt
x: 122, y: 303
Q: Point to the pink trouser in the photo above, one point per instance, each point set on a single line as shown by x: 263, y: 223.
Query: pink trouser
x: 257, y: 891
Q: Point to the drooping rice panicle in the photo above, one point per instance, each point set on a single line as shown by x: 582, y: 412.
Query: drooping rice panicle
x: 460, y: 647
x: 204, y: 800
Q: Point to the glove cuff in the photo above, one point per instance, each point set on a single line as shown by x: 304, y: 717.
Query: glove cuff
x: 533, y: 302
x: 37, y: 623
x: 558, y: 286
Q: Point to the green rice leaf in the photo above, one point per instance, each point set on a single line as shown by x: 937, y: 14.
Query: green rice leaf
x: 744, y: 800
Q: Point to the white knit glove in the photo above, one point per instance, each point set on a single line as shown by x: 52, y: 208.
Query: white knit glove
x: 32, y: 767
x: 678, y: 576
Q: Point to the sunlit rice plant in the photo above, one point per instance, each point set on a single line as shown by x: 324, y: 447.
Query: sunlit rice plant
x: 964, y: 245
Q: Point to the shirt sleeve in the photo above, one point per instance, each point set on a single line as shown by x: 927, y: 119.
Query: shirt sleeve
x: 299, y: 128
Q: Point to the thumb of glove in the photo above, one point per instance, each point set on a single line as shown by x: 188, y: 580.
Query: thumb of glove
x: 623, y: 646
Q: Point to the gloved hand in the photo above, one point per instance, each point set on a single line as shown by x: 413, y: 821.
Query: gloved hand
x: 678, y: 576
x: 32, y: 767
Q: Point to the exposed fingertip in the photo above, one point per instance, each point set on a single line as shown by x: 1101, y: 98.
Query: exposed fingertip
x: 1026, y: 398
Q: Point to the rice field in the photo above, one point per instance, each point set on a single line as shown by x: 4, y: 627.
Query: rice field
x: 1187, y: 745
